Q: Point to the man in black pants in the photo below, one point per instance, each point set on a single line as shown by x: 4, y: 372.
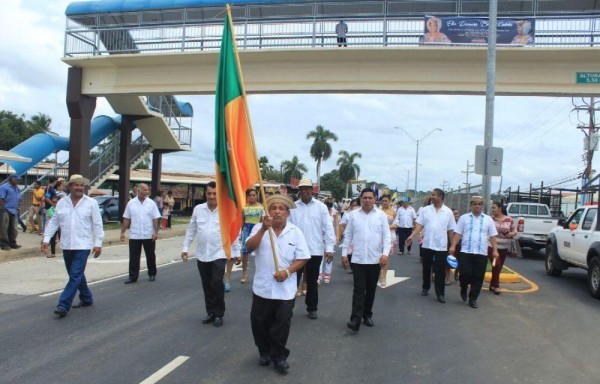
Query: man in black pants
x: 437, y: 223
x: 141, y: 216
x: 312, y: 217
x: 210, y: 254
x: 368, y: 231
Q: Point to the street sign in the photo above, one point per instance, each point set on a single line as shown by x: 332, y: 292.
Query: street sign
x: 490, y: 161
x: 587, y: 78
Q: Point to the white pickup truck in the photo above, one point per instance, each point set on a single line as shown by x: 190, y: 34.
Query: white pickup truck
x: 534, y: 222
x: 576, y: 243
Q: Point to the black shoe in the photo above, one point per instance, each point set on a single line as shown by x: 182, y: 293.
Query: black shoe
x: 282, y: 366
x: 82, y: 304
x: 16, y: 246
x: 441, y: 299
x: 209, y: 319
x: 312, y: 315
x: 353, y: 325
x: 152, y: 278
x: 6, y: 248
x: 463, y: 293
x: 130, y: 281
x: 24, y: 229
x: 218, y: 321
x: 473, y: 304
x: 368, y: 322
x: 264, y: 360
x: 424, y: 292
x: 60, y: 312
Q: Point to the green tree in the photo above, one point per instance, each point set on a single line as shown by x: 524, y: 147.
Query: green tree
x: 267, y: 171
x: 349, y: 170
x: 320, y: 150
x: 144, y: 164
x: 293, y: 168
x: 40, y: 123
x: 333, y: 183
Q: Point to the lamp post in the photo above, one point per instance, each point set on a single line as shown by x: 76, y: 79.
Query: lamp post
x: 418, y: 142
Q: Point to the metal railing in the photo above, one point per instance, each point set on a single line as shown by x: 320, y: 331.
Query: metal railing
x: 180, y: 125
x: 99, y: 38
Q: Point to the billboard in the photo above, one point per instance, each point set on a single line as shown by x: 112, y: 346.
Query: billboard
x: 467, y: 30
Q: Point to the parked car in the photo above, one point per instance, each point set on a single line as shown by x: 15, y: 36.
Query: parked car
x: 109, y: 208
x: 534, y: 222
x: 576, y: 243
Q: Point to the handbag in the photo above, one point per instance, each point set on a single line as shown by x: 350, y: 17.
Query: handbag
x: 514, y: 249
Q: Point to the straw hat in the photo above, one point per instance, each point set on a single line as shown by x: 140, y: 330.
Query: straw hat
x: 305, y: 183
x: 280, y: 199
x: 78, y: 179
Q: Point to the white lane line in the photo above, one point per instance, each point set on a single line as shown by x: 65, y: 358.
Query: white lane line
x: 112, y: 278
x: 164, y: 371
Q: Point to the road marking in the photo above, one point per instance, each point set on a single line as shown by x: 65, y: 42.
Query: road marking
x: 391, y: 279
x: 164, y: 371
x: 533, y: 286
x: 112, y: 278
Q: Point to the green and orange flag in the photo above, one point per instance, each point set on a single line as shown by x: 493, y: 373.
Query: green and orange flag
x: 235, y: 155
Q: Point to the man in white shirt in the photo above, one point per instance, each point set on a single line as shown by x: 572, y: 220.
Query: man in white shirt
x: 275, y: 291
x: 312, y: 217
x: 78, y: 217
x: 437, y: 223
x: 369, y: 234
x: 210, y: 255
x: 142, y: 217
x: 475, y: 229
x: 406, y: 221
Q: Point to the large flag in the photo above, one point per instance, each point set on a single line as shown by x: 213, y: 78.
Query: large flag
x: 235, y: 155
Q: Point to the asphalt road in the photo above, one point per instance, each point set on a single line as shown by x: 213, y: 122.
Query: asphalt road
x: 132, y: 332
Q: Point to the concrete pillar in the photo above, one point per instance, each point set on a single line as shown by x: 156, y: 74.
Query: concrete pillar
x: 124, y: 162
x: 81, y: 109
x: 156, y: 171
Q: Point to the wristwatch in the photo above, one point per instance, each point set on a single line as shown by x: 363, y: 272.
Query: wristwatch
x: 287, y: 272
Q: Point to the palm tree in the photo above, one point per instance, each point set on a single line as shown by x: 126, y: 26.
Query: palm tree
x: 293, y: 168
x: 320, y: 149
x: 265, y: 167
x: 348, y: 169
x: 40, y: 122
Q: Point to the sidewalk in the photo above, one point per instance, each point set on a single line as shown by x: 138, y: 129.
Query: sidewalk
x: 31, y: 242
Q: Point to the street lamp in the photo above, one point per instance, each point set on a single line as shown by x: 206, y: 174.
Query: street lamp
x: 418, y: 142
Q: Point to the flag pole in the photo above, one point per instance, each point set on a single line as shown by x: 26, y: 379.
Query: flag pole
x: 260, y: 180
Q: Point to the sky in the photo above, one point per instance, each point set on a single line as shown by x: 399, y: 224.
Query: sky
x: 539, y: 135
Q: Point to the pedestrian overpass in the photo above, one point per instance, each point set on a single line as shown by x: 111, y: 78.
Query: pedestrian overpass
x: 286, y: 46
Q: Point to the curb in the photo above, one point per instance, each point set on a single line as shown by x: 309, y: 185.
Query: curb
x: 504, y: 278
x: 112, y: 239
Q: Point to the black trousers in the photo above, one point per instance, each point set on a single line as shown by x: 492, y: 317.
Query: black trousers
x: 342, y: 42
x: 270, y: 321
x: 312, y: 287
x: 439, y: 268
x: 403, y: 234
x: 211, y: 274
x: 472, y: 272
x: 8, y: 229
x: 135, y: 252
x: 365, y: 283
x: 53, y: 242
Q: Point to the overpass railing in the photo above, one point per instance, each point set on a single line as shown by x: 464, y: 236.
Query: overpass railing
x: 96, y: 38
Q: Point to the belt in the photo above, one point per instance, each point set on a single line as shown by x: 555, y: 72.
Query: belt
x: 37, y: 205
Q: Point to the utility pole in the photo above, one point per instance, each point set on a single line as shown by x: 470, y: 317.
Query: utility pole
x: 591, y: 139
x: 444, y: 183
x: 467, y: 185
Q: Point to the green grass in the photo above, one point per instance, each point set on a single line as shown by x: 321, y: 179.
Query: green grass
x: 504, y: 270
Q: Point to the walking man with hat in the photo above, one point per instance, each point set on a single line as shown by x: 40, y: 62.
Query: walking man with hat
x: 274, y: 291
x: 78, y: 217
x: 10, y: 197
x: 312, y: 217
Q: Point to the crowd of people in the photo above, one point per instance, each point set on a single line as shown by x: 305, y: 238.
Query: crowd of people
x: 292, y: 240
